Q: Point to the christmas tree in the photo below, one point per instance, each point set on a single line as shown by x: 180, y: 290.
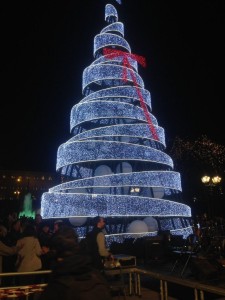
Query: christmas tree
x: 115, y: 165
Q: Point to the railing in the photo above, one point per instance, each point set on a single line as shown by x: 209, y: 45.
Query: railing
x: 24, y: 291
x: 199, y: 289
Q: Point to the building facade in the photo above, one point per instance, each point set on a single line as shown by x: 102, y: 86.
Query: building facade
x: 15, y: 185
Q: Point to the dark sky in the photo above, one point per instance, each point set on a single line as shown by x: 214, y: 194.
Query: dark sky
x: 47, y: 44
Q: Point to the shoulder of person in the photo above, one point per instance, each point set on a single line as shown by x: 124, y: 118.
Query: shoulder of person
x: 92, y: 288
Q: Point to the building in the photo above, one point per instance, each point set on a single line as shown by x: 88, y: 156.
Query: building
x: 14, y: 185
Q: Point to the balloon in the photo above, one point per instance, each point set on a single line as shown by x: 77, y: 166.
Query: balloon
x: 77, y: 221
x: 137, y: 226
x: 158, y: 192
x: 151, y: 223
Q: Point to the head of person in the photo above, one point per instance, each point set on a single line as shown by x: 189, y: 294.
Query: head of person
x: 29, y: 230
x: 99, y: 222
x: 57, y: 225
x: 65, y: 242
x: 45, y: 227
x: 38, y: 218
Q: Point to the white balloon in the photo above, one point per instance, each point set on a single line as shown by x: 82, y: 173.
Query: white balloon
x: 77, y: 221
x: 158, y: 192
x: 151, y: 223
x: 137, y: 226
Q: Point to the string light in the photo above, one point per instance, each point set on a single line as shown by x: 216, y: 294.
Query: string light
x: 113, y: 165
x: 202, y: 150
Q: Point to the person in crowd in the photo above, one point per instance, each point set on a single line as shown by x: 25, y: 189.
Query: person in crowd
x: 9, y: 261
x: 4, y: 249
x: 37, y: 222
x: 15, y: 232
x: 45, y: 234
x: 29, y: 256
x: 44, y: 238
x: 97, y: 244
x: 73, y: 276
x: 57, y: 224
x: 10, y: 219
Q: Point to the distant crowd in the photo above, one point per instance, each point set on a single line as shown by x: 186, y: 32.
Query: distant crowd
x: 24, y: 245
x: 28, y: 245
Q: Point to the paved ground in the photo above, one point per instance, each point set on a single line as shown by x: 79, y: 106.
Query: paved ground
x: 147, y: 294
x: 150, y: 289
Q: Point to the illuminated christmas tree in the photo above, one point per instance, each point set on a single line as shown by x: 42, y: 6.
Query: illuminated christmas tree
x: 115, y: 164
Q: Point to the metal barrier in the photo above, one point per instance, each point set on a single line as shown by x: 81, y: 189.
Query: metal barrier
x: 24, y: 291
x: 199, y: 289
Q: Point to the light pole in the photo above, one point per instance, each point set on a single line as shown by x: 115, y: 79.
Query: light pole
x: 211, y: 183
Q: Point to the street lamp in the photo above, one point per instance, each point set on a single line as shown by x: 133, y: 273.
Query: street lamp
x: 211, y: 182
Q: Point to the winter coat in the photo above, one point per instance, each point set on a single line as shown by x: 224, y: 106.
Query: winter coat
x: 97, y: 248
x: 74, y: 279
x: 28, y: 259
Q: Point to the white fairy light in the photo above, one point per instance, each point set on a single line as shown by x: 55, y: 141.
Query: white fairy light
x: 113, y: 164
x: 114, y: 27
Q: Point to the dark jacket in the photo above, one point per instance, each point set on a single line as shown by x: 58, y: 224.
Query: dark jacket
x: 74, y: 279
x: 97, y: 260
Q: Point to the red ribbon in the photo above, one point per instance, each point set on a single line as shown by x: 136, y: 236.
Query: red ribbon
x: 111, y: 53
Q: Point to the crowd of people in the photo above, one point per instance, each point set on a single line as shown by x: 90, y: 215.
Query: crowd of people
x: 28, y: 245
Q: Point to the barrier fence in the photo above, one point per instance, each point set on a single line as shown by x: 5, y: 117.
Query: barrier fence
x: 199, y: 289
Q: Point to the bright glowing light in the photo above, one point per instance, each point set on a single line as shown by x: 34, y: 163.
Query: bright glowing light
x: 216, y: 179
x: 205, y: 179
x: 113, y: 165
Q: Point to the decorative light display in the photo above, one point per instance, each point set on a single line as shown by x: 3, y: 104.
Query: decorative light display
x: 203, y: 150
x: 113, y: 165
x: 126, y: 64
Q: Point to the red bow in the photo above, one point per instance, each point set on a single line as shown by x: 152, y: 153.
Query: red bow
x: 111, y: 53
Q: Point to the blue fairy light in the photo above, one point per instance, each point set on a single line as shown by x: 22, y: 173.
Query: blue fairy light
x: 112, y: 165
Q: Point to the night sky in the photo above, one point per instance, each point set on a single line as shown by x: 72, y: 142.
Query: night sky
x: 47, y: 44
